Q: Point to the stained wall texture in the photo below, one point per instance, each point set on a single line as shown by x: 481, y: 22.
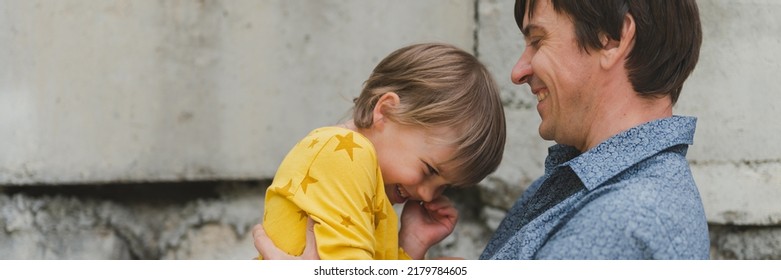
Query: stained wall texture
x: 149, y: 129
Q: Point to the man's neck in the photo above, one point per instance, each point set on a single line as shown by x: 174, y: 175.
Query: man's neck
x: 625, y: 110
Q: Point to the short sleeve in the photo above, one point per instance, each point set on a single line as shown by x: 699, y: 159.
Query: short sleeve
x: 339, y: 189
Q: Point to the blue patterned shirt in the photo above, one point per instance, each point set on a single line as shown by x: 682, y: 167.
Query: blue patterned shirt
x: 630, y: 197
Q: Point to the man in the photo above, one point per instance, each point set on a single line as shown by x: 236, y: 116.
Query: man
x: 617, y: 185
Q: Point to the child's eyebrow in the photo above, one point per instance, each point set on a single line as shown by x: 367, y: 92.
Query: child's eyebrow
x: 430, y: 167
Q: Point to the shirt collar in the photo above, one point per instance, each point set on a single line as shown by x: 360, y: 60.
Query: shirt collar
x: 601, y: 163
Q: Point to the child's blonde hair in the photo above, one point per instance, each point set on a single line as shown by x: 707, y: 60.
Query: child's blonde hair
x: 440, y: 85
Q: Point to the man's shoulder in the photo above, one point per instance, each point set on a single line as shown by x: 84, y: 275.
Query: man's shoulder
x: 649, y: 200
x: 662, y: 179
x: 665, y: 173
x: 644, y: 216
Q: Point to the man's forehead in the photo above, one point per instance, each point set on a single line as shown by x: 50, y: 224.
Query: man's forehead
x: 543, y: 14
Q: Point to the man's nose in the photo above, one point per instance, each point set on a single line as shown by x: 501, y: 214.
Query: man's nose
x: 522, y: 70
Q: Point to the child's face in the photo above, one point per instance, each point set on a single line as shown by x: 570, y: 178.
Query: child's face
x: 411, y: 160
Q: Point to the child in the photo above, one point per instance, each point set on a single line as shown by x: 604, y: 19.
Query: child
x: 428, y: 117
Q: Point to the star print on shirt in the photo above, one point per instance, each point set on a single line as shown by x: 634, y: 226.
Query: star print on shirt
x: 369, y: 203
x: 314, y: 142
x: 374, y: 209
x: 346, y: 143
x: 379, y: 215
x: 346, y: 222
x: 286, y: 189
x: 307, y: 180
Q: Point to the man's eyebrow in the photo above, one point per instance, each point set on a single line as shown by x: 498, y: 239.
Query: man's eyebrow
x: 529, y: 27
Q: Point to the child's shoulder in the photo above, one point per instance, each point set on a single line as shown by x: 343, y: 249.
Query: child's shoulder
x: 333, y: 135
x: 333, y: 131
x: 330, y: 131
x: 332, y: 142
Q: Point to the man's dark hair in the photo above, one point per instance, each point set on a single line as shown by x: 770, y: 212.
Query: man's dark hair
x: 668, y: 36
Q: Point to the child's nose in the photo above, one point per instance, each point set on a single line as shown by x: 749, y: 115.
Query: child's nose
x: 428, y: 191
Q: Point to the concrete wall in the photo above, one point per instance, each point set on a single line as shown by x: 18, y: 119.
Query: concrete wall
x: 735, y: 90
x: 100, y: 96
x: 125, y: 91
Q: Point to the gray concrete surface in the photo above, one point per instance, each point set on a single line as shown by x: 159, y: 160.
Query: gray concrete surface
x: 735, y: 93
x: 127, y: 91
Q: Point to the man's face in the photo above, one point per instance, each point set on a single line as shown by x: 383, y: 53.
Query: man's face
x: 559, y: 73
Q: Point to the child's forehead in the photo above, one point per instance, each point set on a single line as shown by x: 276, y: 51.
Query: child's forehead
x: 442, y: 135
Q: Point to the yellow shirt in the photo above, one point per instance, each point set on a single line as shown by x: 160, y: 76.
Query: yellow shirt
x: 333, y: 176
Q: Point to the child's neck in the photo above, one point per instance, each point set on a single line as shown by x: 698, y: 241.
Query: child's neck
x: 348, y: 125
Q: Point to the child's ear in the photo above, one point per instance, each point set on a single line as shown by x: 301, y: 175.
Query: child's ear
x: 384, y: 106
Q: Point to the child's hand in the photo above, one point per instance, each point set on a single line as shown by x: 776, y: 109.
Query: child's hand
x: 423, y: 225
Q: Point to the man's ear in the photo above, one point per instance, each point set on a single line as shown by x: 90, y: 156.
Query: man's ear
x: 616, y: 51
x: 385, y: 105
